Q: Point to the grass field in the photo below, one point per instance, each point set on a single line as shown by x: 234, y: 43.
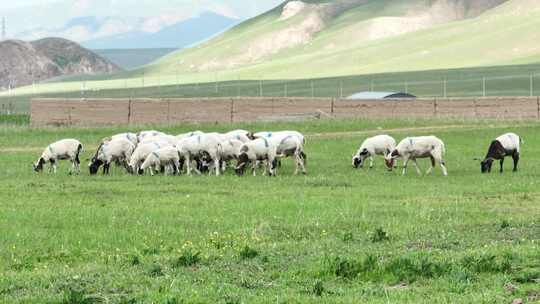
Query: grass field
x: 337, y: 235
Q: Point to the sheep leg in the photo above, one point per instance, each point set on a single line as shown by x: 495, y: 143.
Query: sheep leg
x: 254, y: 166
x: 443, y: 167
x: 502, y: 165
x: 370, y: 161
x: 415, y: 163
x: 433, y: 163
x: 515, y: 157
x: 53, y: 166
x: 405, y: 164
x: 188, y: 165
x: 217, y: 165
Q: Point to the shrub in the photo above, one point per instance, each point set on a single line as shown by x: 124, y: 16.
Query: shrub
x: 379, y: 236
x: 187, y: 259
x: 248, y: 253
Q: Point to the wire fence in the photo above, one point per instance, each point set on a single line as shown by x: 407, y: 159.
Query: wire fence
x: 450, y: 86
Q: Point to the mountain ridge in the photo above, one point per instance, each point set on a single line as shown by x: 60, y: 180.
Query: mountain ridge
x: 23, y: 63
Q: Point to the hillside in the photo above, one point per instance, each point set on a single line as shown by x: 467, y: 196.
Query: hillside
x: 331, y: 38
x: 22, y: 63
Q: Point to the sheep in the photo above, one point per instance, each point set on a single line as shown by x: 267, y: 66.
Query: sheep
x: 255, y: 151
x: 240, y: 135
x: 196, y: 146
x: 230, y: 151
x: 141, y: 135
x: 163, y: 157
x: 132, y: 137
x: 141, y: 153
x: 377, y: 145
x: 505, y: 145
x: 188, y: 134
x: 271, y: 150
x: 281, y: 135
x: 160, y: 138
x: 66, y: 149
x: 412, y: 148
x: 118, y: 150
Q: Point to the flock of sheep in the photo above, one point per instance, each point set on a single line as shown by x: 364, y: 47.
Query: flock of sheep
x: 151, y: 151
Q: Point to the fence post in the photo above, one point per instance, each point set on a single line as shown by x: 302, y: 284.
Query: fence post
x: 475, y: 108
x: 332, y: 106
x: 371, y: 86
x: 168, y: 112
x: 232, y: 110
x: 484, y: 86
x: 435, y: 108
x: 312, y: 90
x: 285, y: 90
x: 129, y: 112
x: 444, y: 87
x: 538, y: 107
x: 260, y: 88
x: 532, y: 84
x: 341, y: 89
x: 406, y: 86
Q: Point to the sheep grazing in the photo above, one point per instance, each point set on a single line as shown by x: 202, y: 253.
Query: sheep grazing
x: 66, y: 149
x: 267, y: 134
x: 377, y: 145
x: 271, y: 150
x: 280, y: 135
x: 141, y: 153
x: 132, y: 137
x: 230, y: 151
x: 143, y: 134
x: 195, y: 147
x: 412, y: 148
x: 505, y: 145
x: 118, y: 150
x: 160, y: 138
x: 161, y: 158
x: 240, y: 135
x: 253, y: 152
x: 188, y: 134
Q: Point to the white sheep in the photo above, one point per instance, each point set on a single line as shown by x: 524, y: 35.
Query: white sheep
x: 132, y: 137
x: 412, y: 148
x: 241, y: 135
x: 117, y: 150
x: 162, y: 158
x: 188, y: 134
x: 66, y: 149
x: 280, y: 134
x: 377, y: 145
x: 271, y: 150
x: 141, y: 153
x: 141, y: 135
x: 199, y: 146
x: 172, y: 140
x: 230, y: 151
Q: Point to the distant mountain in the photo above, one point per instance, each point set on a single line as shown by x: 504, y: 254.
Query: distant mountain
x: 22, y: 63
x: 178, y: 35
x: 129, y: 59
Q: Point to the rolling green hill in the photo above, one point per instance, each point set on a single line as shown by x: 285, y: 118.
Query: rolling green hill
x: 313, y: 39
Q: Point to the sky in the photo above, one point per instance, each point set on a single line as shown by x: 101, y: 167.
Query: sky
x: 36, y: 17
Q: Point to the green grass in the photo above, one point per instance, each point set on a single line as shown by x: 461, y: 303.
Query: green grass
x: 337, y: 235
x: 133, y: 58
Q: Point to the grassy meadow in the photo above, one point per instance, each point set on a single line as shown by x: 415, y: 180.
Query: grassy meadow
x: 337, y: 235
